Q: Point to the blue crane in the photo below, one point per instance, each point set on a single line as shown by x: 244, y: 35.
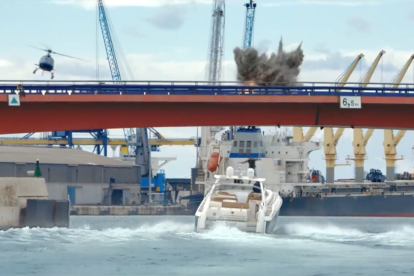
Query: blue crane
x: 247, y: 40
x: 139, y: 138
x: 248, y: 32
x: 109, y: 45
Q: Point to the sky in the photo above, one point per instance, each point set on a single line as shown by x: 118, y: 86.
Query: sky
x: 168, y: 40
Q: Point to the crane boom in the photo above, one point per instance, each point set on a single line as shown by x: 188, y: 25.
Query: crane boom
x: 109, y: 46
x: 142, y: 152
x: 402, y: 73
x: 349, y: 71
x: 371, y: 70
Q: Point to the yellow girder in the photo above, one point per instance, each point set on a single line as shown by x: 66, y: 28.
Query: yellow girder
x: 92, y: 142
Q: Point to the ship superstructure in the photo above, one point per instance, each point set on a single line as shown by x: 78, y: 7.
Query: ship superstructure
x: 276, y: 157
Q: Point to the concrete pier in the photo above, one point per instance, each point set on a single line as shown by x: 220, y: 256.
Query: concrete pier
x: 82, y: 210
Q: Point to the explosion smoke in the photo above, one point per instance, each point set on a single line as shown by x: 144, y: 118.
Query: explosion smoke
x: 277, y: 69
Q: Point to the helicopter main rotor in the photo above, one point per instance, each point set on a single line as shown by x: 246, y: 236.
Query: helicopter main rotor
x: 49, y: 51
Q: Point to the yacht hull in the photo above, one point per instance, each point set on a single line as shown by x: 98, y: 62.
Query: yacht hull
x: 269, y: 226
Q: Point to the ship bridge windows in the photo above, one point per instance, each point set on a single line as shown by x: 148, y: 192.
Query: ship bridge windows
x: 248, y: 144
x: 242, y: 144
x: 248, y: 152
x: 235, y: 143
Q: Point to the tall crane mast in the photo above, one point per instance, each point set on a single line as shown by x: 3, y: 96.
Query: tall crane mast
x: 216, y: 50
x: 247, y: 39
x: 248, y: 31
x: 217, y: 41
x: 140, y: 148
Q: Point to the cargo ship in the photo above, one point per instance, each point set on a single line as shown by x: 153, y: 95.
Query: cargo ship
x: 284, y: 163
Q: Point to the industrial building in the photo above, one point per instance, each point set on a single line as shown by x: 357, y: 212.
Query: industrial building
x: 84, y: 177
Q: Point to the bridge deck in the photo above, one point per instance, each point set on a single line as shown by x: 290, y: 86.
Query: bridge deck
x: 200, y: 88
x: 77, y: 105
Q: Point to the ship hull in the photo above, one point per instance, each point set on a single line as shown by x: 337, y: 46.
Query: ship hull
x: 358, y: 206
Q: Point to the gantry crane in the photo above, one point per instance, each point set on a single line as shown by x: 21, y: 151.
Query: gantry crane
x: 360, y: 139
x: 391, y: 141
x: 136, y: 139
x: 330, y: 139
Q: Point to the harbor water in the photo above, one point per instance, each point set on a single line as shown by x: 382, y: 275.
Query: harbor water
x: 160, y: 245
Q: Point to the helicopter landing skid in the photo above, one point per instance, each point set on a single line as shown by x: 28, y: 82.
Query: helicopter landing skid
x: 52, y: 74
x: 35, y: 70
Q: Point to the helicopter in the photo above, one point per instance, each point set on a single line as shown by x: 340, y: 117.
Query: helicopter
x: 47, y: 63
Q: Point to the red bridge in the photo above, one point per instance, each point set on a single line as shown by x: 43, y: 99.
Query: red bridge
x: 53, y: 106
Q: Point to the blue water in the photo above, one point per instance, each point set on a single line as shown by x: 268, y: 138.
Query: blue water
x: 97, y: 246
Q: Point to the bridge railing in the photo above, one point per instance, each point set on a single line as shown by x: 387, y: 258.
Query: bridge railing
x: 201, y: 88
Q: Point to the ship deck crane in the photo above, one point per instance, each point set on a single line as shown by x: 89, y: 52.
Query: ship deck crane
x: 298, y: 134
x: 391, y: 141
x: 360, y: 139
x: 331, y: 139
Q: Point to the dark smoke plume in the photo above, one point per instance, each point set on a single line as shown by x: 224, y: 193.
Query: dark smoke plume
x: 277, y: 69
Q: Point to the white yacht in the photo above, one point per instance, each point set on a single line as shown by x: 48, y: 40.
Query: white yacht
x: 240, y: 201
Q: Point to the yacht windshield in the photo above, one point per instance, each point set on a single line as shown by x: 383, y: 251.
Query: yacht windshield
x: 233, y: 186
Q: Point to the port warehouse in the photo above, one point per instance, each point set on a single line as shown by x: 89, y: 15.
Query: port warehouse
x: 83, y: 176
x: 86, y: 177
